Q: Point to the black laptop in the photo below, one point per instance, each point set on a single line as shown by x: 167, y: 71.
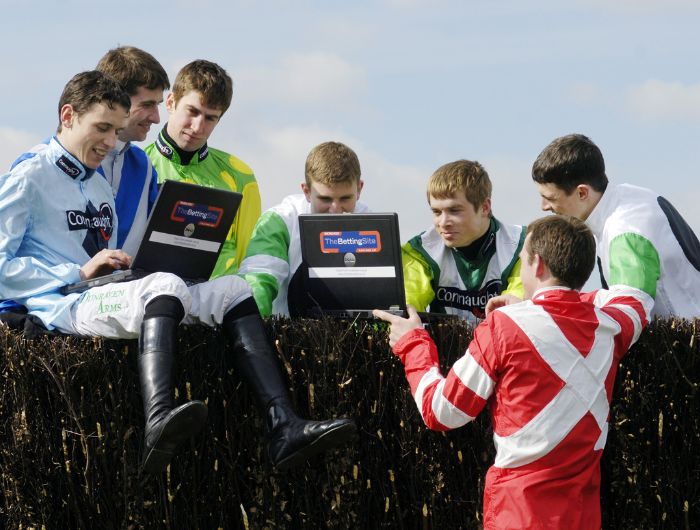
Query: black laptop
x: 186, y: 230
x: 351, y: 265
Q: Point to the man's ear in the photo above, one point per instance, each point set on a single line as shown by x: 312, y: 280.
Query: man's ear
x: 307, y: 191
x: 66, y: 115
x: 486, y: 207
x: 360, y: 183
x: 540, y: 266
x: 583, y: 191
x: 170, y: 103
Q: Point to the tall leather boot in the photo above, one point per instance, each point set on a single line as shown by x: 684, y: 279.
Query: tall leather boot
x: 166, y: 426
x: 291, y: 439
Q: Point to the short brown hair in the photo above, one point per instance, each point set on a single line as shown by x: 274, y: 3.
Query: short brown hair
x: 134, y: 68
x: 214, y: 85
x: 331, y: 163
x: 569, y: 161
x: 461, y: 176
x: 88, y: 88
x: 566, y: 245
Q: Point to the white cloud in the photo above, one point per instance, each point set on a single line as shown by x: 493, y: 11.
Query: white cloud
x: 14, y: 142
x: 315, y: 77
x: 277, y: 156
x: 656, y: 100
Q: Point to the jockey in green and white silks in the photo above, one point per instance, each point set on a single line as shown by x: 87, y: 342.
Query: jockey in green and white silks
x: 642, y: 241
x: 460, y: 281
x: 274, y: 255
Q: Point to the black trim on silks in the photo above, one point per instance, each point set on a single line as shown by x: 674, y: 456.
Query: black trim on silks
x: 242, y: 309
x: 603, y: 283
x: 166, y: 145
x: 684, y: 234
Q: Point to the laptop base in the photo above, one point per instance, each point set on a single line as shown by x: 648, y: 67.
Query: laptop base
x: 367, y: 314
x: 116, y: 277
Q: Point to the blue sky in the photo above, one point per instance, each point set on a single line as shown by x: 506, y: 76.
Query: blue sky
x: 408, y: 84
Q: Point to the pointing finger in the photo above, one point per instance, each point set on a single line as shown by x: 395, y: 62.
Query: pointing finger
x: 383, y: 315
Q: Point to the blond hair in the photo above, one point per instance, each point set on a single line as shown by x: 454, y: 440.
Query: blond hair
x: 461, y: 176
x: 331, y: 163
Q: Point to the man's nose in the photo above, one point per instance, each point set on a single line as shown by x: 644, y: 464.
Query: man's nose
x: 155, y: 116
x: 111, y: 141
x: 197, y: 124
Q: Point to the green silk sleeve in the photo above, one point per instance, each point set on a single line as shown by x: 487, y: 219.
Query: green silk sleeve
x: 634, y: 261
x: 266, y: 264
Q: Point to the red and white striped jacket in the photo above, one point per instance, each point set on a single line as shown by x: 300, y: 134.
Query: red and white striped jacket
x: 546, y: 367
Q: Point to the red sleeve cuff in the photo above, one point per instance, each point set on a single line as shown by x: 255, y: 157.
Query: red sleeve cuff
x: 411, y: 340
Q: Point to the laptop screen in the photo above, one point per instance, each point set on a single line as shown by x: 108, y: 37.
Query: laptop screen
x: 351, y: 262
x: 186, y: 230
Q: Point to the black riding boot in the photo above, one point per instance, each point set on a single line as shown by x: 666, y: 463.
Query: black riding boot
x: 166, y: 426
x: 291, y: 439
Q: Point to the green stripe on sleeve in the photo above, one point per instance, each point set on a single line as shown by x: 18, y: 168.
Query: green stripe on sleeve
x: 265, y: 289
x: 270, y: 237
x: 634, y: 262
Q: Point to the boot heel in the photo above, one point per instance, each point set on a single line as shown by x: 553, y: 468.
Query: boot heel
x: 300, y: 440
x: 181, y: 424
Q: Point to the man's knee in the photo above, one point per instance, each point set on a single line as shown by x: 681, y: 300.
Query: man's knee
x: 213, y: 299
x: 236, y: 290
x: 166, y: 284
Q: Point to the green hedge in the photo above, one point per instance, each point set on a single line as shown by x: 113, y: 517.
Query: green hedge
x: 71, y: 429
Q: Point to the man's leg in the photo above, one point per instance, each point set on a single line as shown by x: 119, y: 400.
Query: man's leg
x: 167, y: 426
x: 150, y: 308
x: 291, y: 439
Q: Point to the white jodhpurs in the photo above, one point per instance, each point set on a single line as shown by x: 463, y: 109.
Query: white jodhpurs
x: 116, y: 310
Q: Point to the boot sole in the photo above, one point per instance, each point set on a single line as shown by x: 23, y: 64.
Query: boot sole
x: 187, y: 421
x: 328, y: 440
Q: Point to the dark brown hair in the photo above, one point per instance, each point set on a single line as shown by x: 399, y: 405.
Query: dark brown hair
x: 569, y: 161
x: 214, y: 85
x: 88, y: 88
x: 566, y: 245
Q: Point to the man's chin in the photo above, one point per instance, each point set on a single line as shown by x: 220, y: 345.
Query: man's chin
x: 126, y: 138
